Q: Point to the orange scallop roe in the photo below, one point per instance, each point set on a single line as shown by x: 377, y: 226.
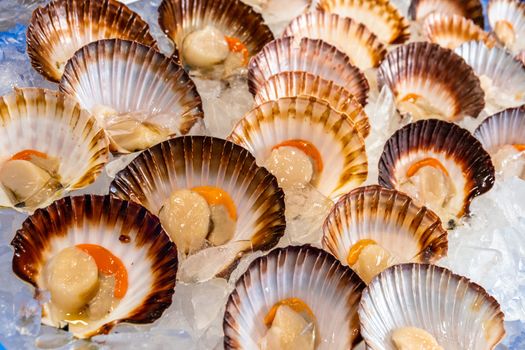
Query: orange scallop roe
x: 308, y: 148
x: 28, y: 154
x: 356, y: 249
x: 520, y: 148
x: 410, y: 98
x: 108, y: 264
x: 235, y: 45
x: 216, y: 196
x: 414, y: 168
x: 295, y: 304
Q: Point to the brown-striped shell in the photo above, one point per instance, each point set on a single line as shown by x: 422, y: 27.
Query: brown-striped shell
x: 126, y: 229
x: 351, y: 37
x: 467, y: 164
x: 503, y: 128
x: 60, y: 28
x: 381, y: 17
x: 436, y: 74
x: 420, y: 9
x: 507, y: 20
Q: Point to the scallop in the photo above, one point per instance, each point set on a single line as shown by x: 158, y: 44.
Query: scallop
x: 139, y: 96
x: 439, y: 164
x: 104, y: 238
x: 318, y: 294
x: 507, y: 20
x: 407, y: 300
x: 472, y: 9
x: 60, y: 28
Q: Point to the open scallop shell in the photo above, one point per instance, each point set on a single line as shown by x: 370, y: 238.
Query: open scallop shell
x: 60, y: 28
x: 457, y: 312
x: 451, y: 31
x: 504, y: 128
x: 435, y: 73
x: 52, y: 123
x: 291, y: 84
x: 507, y: 20
x: 411, y: 233
x: 178, y: 18
x: 469, y: 166
x: 351, y: 37
x: 381, y: 17
x: 342, y: 149
x: 190, y: 161
x: 308, y: 55
x: 331, y: 290
x: 132, y: 78
x: 472, y: 9
x: 126, y: 229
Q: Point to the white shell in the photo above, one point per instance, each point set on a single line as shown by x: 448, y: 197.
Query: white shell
x: 512, y: 12
x: 458, y: 313
x: 331, y: 290
x: 504, y: 128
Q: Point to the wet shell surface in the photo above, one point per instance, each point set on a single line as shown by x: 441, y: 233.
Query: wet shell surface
x: 444, y: 81
x: 451, y: 31
x: 233, y: 18
x: 500, y: 129
x: 507, y: 20
x: 307, y: 55
x: 458, y: 313
x: 351, y: 37
x: 60, y: 28
x: 341, y: 148
x: 420, y: 9
x: 190, y: 161
x: 331, y: 290
x: 465, y: 166
x: 127, y: 230
x: 380, y: 16
x: 291, y: 84
x: 52, y: 123
x: 135, y: 82
x: 409, y: 232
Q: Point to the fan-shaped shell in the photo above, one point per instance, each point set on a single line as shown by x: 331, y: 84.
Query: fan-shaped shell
x: 330, y: 289
x: 500, y: 129
x: 312, y: 56
x: 351, y: 37
x: 457, y: 312
x: 411, y: 233
x: 468, y: 165
x: 507, y: 20
x: 126, y: 229
x: 60, y: 28
x: 451, y: 31
x: 335, y: 136
x: 435, y: 73
x: 52, y: 123
x: 420, y: 9
x: 381, y: 17
x: 132, y: 78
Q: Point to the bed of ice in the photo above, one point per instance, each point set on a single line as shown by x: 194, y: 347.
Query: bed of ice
x: 489, y: 247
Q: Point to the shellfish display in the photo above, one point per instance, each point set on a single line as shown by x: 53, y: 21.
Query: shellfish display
x: 472, y: 9
x: 507, y: 20
x: 103, y: 261
x: 138, y: 95
x: 310, y: 302
x: 372, y: 228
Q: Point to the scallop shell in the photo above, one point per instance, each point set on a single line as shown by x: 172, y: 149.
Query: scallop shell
x: 451, y: 31
x: 408, y: 231
x: 500, y: 129
x: 521, y: 57
x: 129, y: 77
x: 468, y: 164
x: 437, y: 74
x: 381, y: 17
x: 335, y: 136
x: 190, y: 161
x: 457, y: 312
x: 331, y: 290
x: 512, y: 12
x: 472, y: 9
x: 351, y: 37
x: 52, y: 123
x: 126, y: 229
x: 60, y: 28
x: 312, y: 56
x: 178, y: 18
x: 291, y: 84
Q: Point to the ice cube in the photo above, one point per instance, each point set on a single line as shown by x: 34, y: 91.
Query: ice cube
x: 16, y: 11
